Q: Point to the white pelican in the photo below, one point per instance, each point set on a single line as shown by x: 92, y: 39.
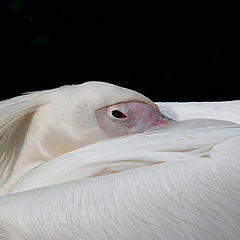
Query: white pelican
x: 180, y: 181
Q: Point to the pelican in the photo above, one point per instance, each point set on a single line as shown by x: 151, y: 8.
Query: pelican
x: 96, y: 161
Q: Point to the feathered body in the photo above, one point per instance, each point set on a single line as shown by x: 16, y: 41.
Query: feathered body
x: 179, y: 181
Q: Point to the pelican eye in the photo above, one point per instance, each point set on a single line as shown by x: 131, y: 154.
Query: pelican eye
x: 118, y: 114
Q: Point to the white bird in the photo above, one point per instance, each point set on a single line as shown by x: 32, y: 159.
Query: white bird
x: 191, y: 191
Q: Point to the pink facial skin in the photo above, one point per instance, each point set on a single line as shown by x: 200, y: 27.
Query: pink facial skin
x: 129, y: 118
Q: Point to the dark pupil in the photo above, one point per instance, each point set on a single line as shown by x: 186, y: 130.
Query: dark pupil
x: 118, y: 114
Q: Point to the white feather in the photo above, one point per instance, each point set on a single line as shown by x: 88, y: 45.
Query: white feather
x: 195, y: 196
x: 228, y: 111
x: 190, y: 192
x: 181, y: 141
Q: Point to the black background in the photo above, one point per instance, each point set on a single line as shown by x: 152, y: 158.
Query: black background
x: 169, y: 53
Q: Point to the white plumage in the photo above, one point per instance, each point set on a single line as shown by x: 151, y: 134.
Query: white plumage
x: 180, y: 181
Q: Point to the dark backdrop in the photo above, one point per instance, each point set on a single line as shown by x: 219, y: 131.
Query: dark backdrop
x: 169, y: 53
